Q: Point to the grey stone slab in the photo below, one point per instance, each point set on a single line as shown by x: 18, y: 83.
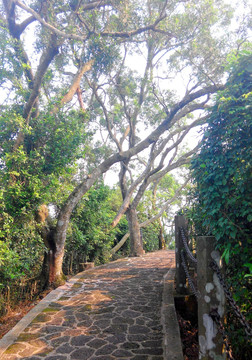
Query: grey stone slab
x: 65, y: 349
x: 97, y: 343
x: 122, y: 353
x: 80, y: 340
x: 82, y: 354
x: 106, y: 350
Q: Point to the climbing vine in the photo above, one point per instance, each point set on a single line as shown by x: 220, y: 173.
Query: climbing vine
x: 222, y: 174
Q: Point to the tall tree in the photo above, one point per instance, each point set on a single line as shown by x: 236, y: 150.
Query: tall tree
x: 132, y: 104
x: 39, y: 85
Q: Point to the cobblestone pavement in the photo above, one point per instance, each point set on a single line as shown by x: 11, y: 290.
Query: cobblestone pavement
x: 112, y: 312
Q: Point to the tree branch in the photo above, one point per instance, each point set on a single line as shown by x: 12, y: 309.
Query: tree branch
x: 120, y: 244
x: 147, y: 174
x: 76, y: 82
x: 108, y: 122
x: 79, y: 95
x: 127, y: 34
x: 165, y: 206
x: 185, y: 159
x: 50, y: 27
x: 15, y: 31
x: 185, y: 129
x: 151, y: 220
x: 93, y: 5
x: 45, y: 60
x: 21, y: 27
x: 85, y: 185
x: 127, y: 198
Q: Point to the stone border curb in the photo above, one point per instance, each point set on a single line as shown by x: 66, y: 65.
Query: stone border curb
x: 172, y: 345
x: 9, y: 338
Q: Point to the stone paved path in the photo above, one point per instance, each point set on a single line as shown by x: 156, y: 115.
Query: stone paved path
x: 112, y: 312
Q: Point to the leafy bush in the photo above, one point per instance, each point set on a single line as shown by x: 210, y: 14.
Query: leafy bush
x: 150, y: 236
x: 90, y: 231
x: 223, y: 191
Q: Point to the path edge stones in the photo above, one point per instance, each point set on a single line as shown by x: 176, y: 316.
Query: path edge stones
x: 172, y: 345
x: 11, y: 336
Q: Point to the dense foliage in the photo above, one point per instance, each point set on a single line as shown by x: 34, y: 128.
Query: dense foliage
x: 90, y: 233
x: 222, y: 173
x: 159, y: 193
x: 30, y: 176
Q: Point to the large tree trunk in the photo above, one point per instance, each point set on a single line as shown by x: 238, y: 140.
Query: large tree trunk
x: 56, y: 276
x: 136, y: 243
x: 51, y: 273
x: 52, y: 267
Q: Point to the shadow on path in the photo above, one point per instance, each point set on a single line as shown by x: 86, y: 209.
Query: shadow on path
x: 111, y: 312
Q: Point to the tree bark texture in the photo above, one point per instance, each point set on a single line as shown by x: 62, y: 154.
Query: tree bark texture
x: 136, y: 243
x: 56, y: 276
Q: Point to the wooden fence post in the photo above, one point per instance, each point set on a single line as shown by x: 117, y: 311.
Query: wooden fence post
x: 181, y: 287
x: 211, y: 297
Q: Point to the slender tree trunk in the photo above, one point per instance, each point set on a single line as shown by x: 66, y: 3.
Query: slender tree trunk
x: 136, y: 244
x: 161, y: 236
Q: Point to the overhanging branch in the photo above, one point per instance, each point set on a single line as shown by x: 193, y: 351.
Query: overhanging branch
x: 55, y: 30
x: 151, y: 220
